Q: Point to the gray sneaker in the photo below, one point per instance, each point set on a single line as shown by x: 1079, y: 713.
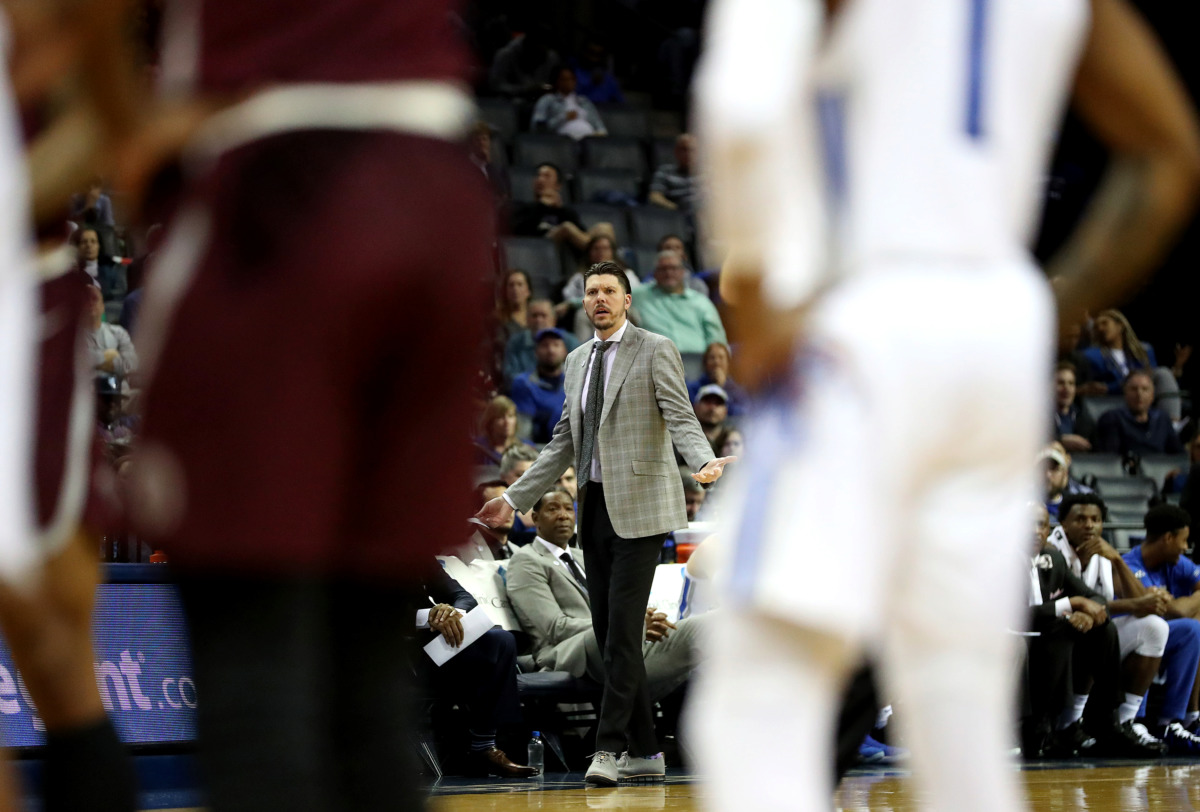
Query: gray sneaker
x: 603, y: 770
x: 637, y: 770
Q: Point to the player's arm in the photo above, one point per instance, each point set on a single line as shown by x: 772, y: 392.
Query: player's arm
x: 1186, y: 607
x: 1131, y: 97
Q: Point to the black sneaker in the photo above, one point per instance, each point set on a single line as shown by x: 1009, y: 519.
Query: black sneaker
x: 1122, y: 741
x: 1069, y: 742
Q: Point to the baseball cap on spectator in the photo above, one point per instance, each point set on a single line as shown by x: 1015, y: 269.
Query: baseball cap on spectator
x: 1052, y: 454
x: 710, y: 389
x: 549, y: 332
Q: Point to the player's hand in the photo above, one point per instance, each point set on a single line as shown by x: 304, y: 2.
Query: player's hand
x: 1081, y: 621
x: 1096, y: 545
x: 447, y: 621
x: 657, y: 625
x: 1152, y: 603
x: 496, y: 513
x: 712, y: 470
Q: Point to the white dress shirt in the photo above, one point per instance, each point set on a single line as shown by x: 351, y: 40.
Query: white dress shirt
x: 609, y: 355
x: 557, y: 552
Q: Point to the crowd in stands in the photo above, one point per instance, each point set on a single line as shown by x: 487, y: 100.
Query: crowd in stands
x: 1113, y: 597
x: 579, y: 176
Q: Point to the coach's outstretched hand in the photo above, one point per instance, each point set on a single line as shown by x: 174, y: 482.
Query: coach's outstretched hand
x: 495, y: 513
x: 711, y: 471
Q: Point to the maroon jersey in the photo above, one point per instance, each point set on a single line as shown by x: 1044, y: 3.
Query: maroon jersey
x: 227, y: 46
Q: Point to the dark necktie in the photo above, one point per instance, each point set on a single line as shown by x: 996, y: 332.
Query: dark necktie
x: 576, y: 573
x: 591, y: 414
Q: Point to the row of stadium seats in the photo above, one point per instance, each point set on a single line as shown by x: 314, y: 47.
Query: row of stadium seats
x: 637, y: 156
x: 629, y: 120
x: 1127, y: 486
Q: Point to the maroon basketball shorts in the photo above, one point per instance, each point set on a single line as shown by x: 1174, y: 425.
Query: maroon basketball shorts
x: 313, y: 329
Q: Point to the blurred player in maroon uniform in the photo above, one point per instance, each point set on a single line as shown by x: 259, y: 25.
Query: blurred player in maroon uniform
x: 295, y: 413
x: 52, y: 485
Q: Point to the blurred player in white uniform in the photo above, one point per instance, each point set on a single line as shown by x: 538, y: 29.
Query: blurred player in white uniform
x: 876, y: 169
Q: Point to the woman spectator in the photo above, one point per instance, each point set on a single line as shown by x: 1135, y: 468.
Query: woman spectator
x: 1117, y: 352
x: 566, y: 112
x: 499, y: 425
x: 512, y: 309
x: 716, y: 370
x: 729, y: 443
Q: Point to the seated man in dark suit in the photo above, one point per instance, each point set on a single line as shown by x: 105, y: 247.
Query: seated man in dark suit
x: 1137, y: 427
x: 547, y: 585
x: 1074, y: 665
x: 483, y: 675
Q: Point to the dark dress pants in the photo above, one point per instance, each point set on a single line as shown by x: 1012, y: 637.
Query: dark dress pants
x: 484, y: 676
x: 620, y: 573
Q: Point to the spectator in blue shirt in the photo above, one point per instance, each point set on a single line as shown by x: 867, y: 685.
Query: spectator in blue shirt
x: 1137, y: 427
x: 1159, y: 562
x: 540, y: 393
x: 594, y: 77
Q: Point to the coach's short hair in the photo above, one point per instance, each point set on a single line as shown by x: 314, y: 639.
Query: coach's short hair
x: 1164, y: 519
x: 517, y: 453
x: 1072, y: 499
x: 607, y: 268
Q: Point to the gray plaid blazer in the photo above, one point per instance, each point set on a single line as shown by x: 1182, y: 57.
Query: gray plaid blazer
x: 645, y: 407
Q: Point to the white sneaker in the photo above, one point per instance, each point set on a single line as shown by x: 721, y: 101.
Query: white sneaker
x: 1144, y: 735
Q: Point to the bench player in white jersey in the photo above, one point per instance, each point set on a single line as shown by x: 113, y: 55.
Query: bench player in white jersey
x: 876, y: 167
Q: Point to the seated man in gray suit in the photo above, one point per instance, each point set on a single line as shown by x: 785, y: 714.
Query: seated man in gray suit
x: 547, y: 585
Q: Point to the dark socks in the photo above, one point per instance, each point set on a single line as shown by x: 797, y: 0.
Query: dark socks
x: 88, y: 768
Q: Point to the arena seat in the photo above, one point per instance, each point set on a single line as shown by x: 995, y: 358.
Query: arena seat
x: 625, y: 154
x: 1126, y: 487
x: 1097, y: 405
x: 1097, y: 465
x: 545, y: 699
x: 502, y: 114
x: 621, y: 121
x: 538, y: 257
x: 592, y: 182
x: 651, y: 224
x: 531, y: 149
x: 1157, y: 466
x: 593, y: 213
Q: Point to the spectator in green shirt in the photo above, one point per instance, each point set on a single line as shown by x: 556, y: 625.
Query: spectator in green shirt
x: 670, y: 308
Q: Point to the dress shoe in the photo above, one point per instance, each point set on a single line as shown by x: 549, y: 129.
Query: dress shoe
x: 603, y: 770
x: 638, y: 770
x: 495, y: 762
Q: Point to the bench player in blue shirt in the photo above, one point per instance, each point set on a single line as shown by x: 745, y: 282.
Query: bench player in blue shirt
x: 1159, y: 562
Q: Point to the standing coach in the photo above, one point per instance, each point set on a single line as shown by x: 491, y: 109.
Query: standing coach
x: 626, y: 402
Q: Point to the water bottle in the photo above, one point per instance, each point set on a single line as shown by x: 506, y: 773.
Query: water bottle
x: 537, y: 753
